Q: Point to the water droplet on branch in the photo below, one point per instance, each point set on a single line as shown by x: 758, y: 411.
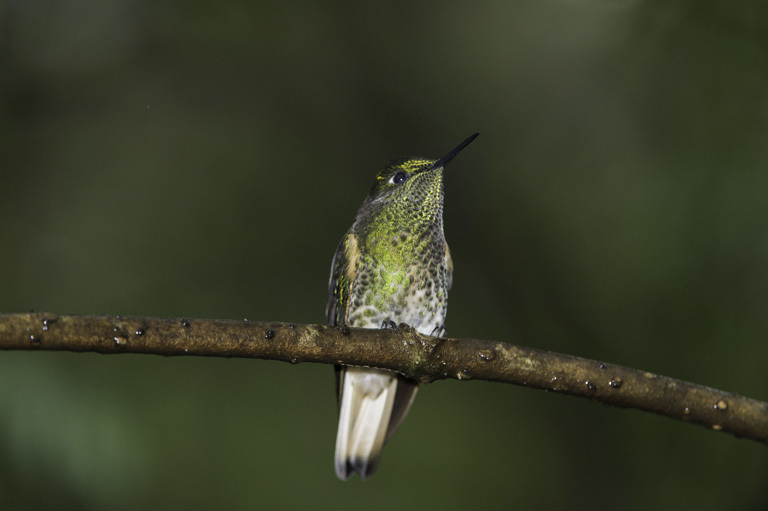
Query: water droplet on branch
x: 486, y: 355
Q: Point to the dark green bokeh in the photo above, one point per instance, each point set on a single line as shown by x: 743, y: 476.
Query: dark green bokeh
x: 203, y: 159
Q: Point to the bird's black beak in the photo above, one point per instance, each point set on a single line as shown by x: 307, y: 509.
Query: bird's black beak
x: 442, y: 162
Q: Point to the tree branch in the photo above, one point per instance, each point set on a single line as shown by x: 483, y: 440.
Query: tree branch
x: 420, y: 357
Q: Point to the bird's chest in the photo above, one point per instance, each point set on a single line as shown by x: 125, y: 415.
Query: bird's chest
x: 414, y: 294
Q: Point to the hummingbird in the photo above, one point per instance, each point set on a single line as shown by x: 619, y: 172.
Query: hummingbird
x: 393, y: 266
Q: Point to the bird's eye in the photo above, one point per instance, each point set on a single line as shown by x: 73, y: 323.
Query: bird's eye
x: 398, y: 178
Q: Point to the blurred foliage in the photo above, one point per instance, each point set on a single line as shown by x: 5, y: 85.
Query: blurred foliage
x: 203, y: 159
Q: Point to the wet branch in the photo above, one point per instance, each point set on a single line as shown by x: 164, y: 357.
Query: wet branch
x: 420, y: 357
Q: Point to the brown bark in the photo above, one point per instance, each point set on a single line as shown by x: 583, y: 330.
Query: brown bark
x: 420, y: 357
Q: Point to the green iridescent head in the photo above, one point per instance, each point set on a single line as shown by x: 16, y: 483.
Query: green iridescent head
x: 406, y: 181
x: 412, y: 186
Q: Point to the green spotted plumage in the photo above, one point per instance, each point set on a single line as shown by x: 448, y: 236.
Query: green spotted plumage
x: 394, y: 263
x: 393, y: 266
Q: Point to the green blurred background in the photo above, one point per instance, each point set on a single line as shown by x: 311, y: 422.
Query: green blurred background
x: 203, y: 160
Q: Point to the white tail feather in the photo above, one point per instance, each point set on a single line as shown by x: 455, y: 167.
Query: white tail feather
x: 367, y: 396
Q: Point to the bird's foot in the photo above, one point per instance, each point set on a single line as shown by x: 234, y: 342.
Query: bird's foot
x: 389, y: 325
x: 439, y: 331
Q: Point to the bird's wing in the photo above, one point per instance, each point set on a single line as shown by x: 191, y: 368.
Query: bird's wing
x: 342, y: 274
x: 448, y: 268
